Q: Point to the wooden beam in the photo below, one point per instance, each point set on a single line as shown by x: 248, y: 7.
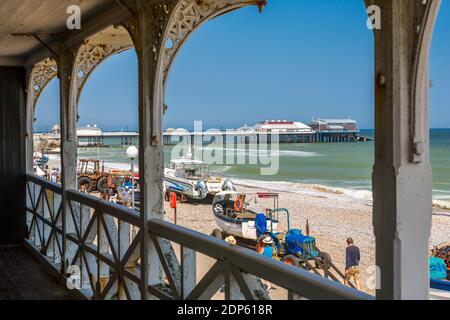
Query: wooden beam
x: 11, y: 61
x: 111, y: 14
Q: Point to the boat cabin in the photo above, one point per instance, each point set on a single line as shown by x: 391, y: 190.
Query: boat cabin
x: 233, y: 205
x: 186, y: 168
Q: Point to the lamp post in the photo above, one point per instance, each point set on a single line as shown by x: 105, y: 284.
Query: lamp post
x: 132, y: 154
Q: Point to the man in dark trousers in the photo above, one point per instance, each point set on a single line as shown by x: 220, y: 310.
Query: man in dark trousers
x: 352, y: 258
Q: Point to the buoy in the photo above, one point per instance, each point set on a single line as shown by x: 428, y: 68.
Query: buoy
x: 238, y: 205
x: 173, y: 200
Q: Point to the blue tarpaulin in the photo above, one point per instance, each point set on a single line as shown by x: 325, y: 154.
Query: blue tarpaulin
x: 260, y: 224
x: 438, y: 269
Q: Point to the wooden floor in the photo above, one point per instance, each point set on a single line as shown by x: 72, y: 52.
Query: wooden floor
x: 22, y: 278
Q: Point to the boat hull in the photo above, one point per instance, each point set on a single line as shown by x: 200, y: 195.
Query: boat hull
x: 241, y: 228
x: 182, y: 187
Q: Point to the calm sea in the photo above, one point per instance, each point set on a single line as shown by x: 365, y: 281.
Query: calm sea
x: 340, y: 165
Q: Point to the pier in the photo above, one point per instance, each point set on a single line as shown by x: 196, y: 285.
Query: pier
x: 281, y: 131
x: 108, y: 139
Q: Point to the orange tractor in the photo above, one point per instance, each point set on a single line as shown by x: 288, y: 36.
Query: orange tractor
x: 91, y: 177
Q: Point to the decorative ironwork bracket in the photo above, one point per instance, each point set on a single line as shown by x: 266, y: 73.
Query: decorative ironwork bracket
x: 425, y: 17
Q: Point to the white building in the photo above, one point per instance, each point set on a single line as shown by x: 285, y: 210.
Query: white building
x: 283, y: 126
x: 177, y: 132
x: 89, y: 131
x: 335, y: 125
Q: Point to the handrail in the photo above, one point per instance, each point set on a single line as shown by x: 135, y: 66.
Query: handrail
x: 297, y: 280
x: 114, y: 210
x: 98, y: 238
x: 119, y: 212
x: 51, y: 186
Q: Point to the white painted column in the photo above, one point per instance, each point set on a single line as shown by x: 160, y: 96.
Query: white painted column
x: 68, y: 110
x: 402, y: 182
x: 148, y: 35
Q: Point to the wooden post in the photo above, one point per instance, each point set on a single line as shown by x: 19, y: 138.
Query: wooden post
x: 12, y: 160
x: 402, y: 186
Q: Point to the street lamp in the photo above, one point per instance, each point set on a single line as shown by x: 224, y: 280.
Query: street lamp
x: 132, y: 154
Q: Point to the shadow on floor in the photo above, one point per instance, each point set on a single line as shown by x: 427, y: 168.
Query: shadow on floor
x: 22, y: 278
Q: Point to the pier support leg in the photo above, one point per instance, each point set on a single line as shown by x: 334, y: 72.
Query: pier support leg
x: 402, y: 174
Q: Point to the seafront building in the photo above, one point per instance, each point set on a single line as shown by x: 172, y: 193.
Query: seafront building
x: 335, y: 130
x: 66, y: 230
x: 284, y: 130
x: 335, y: 125
x: 282, y: 126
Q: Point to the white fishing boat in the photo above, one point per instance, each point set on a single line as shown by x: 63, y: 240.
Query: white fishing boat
x: 440, y: 290
x: 40, y: 159
x: 190, y: 177
x: 234, y: 217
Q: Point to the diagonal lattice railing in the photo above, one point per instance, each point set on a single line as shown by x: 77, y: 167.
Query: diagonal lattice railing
x: 99, y: 245
x: 96, y: 245
x: 44, y: 218
x: 235, y: 271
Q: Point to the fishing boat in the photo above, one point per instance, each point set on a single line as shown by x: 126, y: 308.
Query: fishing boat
x: 234, y: 217
x: 190, y: 177
x: 39, y: 159
x: 439, y: 289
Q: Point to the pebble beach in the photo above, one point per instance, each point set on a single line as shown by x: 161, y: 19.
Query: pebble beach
x: 332, y: 218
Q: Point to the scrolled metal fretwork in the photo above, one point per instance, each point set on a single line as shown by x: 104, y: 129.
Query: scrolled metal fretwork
x: 41, y: 75
x: 88, y: 58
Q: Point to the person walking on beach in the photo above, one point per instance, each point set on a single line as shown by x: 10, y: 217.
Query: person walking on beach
x: 126, y: 197
x: 47, y: 172
x: 54, y: 176
x: 268, y: 252
x: 352, y: 258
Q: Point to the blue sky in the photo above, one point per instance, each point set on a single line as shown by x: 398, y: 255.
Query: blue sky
x: 297, y: 60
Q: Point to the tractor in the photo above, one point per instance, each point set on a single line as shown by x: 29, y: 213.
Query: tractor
x: 295, y: 248
x: 292, y: 246
x: 90, y: 177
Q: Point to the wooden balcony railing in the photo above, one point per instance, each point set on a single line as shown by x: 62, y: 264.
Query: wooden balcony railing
x: 97, y: 246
